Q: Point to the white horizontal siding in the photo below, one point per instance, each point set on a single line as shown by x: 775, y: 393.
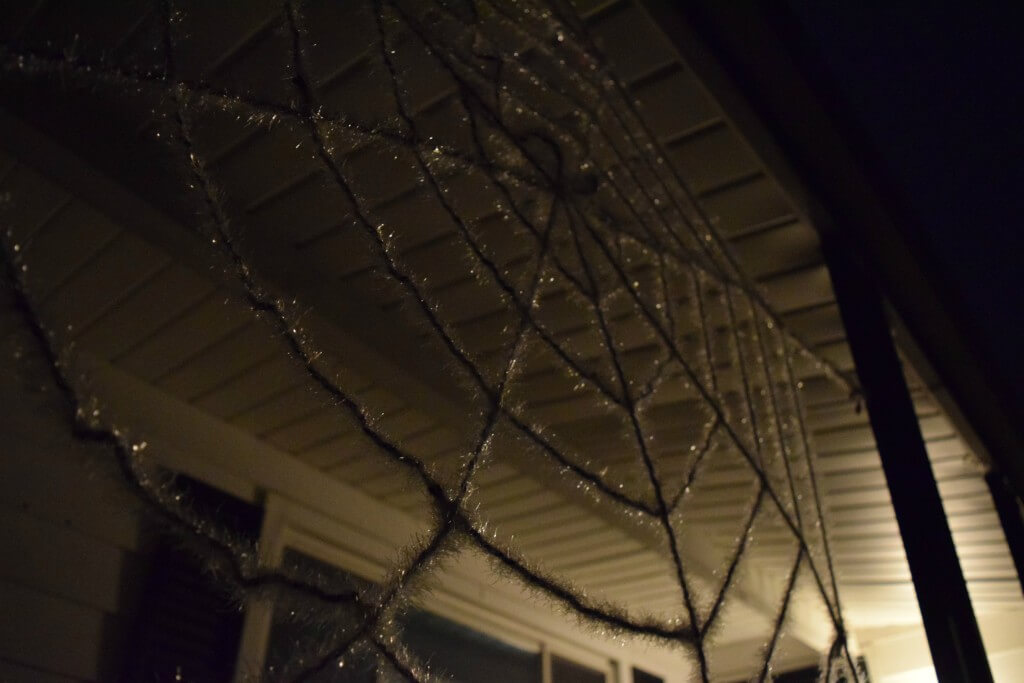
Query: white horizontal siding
x: 70, y: 564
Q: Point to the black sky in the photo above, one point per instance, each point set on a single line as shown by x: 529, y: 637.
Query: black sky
x: 935, y: 92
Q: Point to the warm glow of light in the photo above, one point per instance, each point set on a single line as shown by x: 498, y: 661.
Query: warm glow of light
x: 922, y: 675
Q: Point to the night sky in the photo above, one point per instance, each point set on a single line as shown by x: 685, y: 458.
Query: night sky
x: 934, y: 92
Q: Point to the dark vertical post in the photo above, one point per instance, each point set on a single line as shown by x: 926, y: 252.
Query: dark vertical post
x: 1010, y: 515
x: 953, y: 637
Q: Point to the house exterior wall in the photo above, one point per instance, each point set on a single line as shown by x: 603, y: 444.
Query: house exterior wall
x: 73, y: 550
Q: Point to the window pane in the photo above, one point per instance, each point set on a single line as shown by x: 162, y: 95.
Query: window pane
x: 567, y: 671
x: 465, y: 655
x: 644, y: 677
x: 292, y: 643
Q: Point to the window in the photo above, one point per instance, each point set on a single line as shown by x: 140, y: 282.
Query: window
x: 640, y: 676
x: 461, y: 654
x: 294, y: 639
x: 464, y: 655
x: 567, y: 671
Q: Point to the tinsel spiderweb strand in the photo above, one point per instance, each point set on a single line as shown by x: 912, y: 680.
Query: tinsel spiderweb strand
x: 592, y: 193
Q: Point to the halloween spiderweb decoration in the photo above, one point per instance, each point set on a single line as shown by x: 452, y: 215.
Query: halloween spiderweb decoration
x: 595, y: 279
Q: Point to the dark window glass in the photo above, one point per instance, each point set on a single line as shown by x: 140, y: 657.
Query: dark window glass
x: 567, y: 671
x: 809, y: 675
x: 640, y: 676
x: 463, y: 655
x: 296, y: 642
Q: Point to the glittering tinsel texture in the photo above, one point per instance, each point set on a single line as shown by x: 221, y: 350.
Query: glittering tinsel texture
x: 594, y: 273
